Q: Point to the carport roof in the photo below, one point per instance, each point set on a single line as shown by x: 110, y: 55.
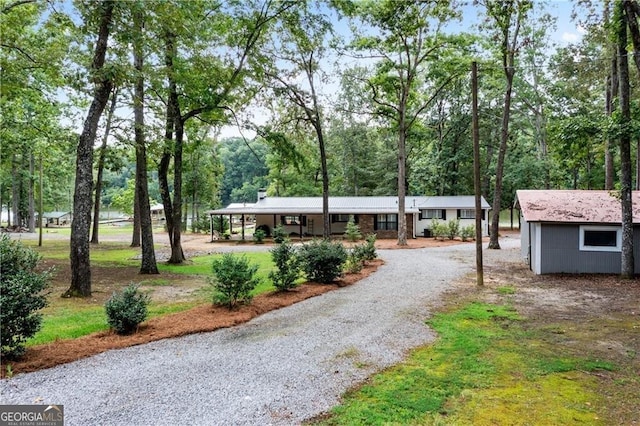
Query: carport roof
x: 574, y: 206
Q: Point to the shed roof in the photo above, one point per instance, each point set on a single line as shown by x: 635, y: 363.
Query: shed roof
x: 574, y: 206
x: 349, y: 205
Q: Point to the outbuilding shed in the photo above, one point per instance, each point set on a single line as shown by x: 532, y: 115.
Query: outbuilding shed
x: 574, y: 231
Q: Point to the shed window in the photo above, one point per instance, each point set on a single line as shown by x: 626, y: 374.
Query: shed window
x: 386, y: 222
x: 600, y: 238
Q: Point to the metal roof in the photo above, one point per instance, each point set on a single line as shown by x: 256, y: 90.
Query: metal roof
x: 349, y: 205
x: 55, y: 214
x: 574, y: 206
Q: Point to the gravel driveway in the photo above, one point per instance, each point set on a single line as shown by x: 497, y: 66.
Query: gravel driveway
x: 281, y: 368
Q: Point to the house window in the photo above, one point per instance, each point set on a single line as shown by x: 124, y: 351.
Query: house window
x: 432, y: 214
x: 386, y: 222
x: 292, y: 220
x: 340, y: 217
x: 467, y: 213
x: 600, y: 238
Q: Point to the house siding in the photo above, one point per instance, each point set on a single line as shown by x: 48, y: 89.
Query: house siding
x: 560, y: 253
x: 367, y: 226
x: 452, y: 214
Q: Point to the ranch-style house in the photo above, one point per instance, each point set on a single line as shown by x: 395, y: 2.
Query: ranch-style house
x: 302, y: 216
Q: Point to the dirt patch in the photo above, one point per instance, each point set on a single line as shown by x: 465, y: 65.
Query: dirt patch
x: 596, y: 317
x: 196, y: 320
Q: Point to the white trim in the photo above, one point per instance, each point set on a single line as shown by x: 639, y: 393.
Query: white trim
x: 617, y: 229
x: 538, y: 257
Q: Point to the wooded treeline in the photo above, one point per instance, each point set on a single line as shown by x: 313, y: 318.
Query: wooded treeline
x: 122, y: 104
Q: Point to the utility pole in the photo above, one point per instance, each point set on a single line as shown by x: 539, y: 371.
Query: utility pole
x: 476, y: 172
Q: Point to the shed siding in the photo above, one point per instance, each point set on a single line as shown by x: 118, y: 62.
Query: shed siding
x: 561, y: 254
x: 636, y: 249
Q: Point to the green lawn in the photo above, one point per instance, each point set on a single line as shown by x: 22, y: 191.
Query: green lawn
x: 483, y: 369
x: 68, y: 319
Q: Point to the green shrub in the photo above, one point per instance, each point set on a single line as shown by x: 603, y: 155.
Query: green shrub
x: 438, y: 229
x: 127, y: 309
x: 202, y: 225
x: 265, y: 229
x: 352, y: 231
x: 258, y: 236
x: 369, y: 250
x: 287, y: 261
x: 217, y: 224
x: 354, y: 262
x: 279, y: 234
x: 322, y: 260
x: 233, y: 280
x: 453, y: 229
x: 21, y: 296
x: 468, y: 233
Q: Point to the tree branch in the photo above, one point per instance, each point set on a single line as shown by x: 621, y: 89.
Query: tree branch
x: 10, y: 6
x: 19, y: 49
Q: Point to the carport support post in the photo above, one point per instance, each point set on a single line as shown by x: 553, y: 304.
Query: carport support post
x: 211, y: 226
x: 242, y: 226
x: 300, y: 222
x: 230, y: 225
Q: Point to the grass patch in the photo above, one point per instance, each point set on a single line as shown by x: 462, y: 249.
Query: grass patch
x: 201, y: 265
x: 73, y: 321
x: 506, y: 290
x: 72, y: 318
x: 483, y: 369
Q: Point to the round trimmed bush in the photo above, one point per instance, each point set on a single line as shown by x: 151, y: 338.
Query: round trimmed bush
x: 322, y: 260
x: 127, y: 309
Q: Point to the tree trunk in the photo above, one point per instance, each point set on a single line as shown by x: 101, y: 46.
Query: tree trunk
x: 475, y: 129
x: 101, y: 161
x: 504, y: 139
x: 135, y: 233
x: 80, y: 262
x: 177, y: 255
x: 627, y: 266
x: 15, y: 191
x: 316, y: 119
x: 610, y: 95
x: 632, y: 9
x: 32, y: 203
x: 165, y: 160
x: 148, y: 264
x: 40, y: 202
x: 402, y: 173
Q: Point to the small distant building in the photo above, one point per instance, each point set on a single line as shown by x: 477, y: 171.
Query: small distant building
x: 565, y: 231
x: 157, y: 212
x: 58, y: 218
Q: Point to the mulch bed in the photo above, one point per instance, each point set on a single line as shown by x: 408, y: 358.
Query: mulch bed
x: 200, y: 319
